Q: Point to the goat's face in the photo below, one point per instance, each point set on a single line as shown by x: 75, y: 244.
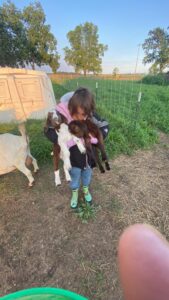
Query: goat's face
x: 79, y: 129
x: 53, y: 119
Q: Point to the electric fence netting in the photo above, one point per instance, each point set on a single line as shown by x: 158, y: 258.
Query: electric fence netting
x: 135, y: 109
x: 114, y: 95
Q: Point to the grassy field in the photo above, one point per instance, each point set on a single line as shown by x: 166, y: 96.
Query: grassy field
x: 133, y: 124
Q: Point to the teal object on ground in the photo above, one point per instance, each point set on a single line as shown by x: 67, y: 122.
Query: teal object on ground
x: 44, y: 293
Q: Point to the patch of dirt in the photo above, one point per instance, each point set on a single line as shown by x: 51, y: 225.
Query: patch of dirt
x: 44, y: 243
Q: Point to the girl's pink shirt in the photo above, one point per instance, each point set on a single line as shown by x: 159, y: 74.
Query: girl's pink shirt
x: 62, y: 108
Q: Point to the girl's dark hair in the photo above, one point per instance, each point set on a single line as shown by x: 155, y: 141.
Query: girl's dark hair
x: 84, y: 99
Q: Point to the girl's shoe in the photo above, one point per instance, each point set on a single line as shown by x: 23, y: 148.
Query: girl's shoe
x: 74, y: 199
x: 87, y: 195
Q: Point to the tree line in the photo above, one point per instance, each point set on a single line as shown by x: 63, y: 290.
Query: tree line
x: 26, y: 39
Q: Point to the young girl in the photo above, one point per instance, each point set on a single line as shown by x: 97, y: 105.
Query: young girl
x: 78, y: 105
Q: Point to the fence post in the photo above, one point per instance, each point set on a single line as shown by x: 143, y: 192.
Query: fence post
x: 138, y: 104
x: 96, y: 90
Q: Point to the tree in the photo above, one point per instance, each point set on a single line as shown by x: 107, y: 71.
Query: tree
x: 115, y: 71
x: 25, y: 38
x: 154, y: 69
x: 13, y: 41
x: 41, y: 42
x: 85, y: 52
x: 156, y: 48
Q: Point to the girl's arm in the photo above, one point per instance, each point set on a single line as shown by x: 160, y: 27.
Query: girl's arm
x: 66, y: 97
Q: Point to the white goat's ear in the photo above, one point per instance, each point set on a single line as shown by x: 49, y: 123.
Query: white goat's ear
x: 54, y: 114
x: 52, y: 110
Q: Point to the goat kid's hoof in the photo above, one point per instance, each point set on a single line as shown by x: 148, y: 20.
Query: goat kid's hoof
x: 57, y: 184
x: 31, y: 184
x: 107, y: 166
x: 68, y: 180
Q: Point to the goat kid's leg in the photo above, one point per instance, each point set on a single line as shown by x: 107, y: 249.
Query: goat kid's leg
x: 34, y: 163
x: 107, y: 165
x: 65, y: 155
x: 66, y: 165
x: 57, y: 178
x: 56, y: 157
x: 101, y: 168
x: 31, y: 160
x: 27, y: 172
x: 104, y: 156
x: 103, y: 152
x: 67, y: 175
x: 96, y: 153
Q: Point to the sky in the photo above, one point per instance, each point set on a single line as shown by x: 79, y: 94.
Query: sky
x: 122, y: 25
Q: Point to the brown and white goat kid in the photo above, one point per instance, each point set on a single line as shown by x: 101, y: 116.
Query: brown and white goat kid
x: 87, y: 129
x: 98, y: 148
x: 15, y: 154
x: 60, y: 149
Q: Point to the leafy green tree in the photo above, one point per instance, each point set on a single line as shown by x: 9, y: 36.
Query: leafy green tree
x: 41, y: 42
x: 153, y: 70
x: 156, y: 48
x: 25, y: 38
x: 85, y: 51
x: 115, y: 71
x: 13, y: 41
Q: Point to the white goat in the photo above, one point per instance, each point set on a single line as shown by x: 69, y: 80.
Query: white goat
x: 64, y: 136
x: 60, y: 149
x: 15, y: 153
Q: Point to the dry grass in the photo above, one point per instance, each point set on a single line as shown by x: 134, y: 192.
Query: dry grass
x: 61, y: 77
x: 43, y: 243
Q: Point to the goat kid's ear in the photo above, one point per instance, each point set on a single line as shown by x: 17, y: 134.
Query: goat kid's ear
x: 71, y: 127
x: 49, y: 116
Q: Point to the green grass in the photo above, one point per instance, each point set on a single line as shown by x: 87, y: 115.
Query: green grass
x: 86, y: 212
x: 59, y: 90
x: 160, y: 79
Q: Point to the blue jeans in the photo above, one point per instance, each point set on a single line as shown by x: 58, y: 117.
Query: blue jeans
x: 78, y: 175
